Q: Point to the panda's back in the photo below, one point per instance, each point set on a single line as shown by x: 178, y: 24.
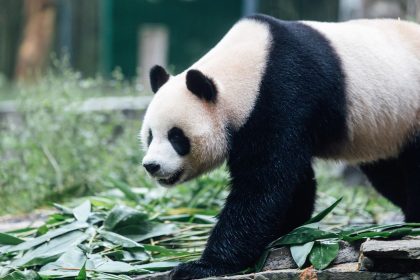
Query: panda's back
x: 381, y: 63
x: 364, y: 73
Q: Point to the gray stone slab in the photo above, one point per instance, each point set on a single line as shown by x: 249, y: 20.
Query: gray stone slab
x: 389, y: 265
x: 394, y: 249
x: 348, y: 271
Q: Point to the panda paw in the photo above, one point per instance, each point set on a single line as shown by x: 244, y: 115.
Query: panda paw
x: 197, y: 270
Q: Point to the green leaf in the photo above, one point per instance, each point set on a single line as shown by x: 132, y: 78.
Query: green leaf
x: 321, y: 215
x: 82, y: 273
x: 140, y: 233
x: 82, y: 212
x: 383, y: 231
x: 63, y: 209
x: 130, y: 255
x: 261, y: 262
x: 208, y: 219
x: 7, y: 239
x: 19, y: 275
x: 163, y: 251
x: 99, y: 264
x: 323, y: 253
x: 395, y: 233
x: 42, y: 230
x: 107, y: 276
x: 303, y: 234
x: 123, y: 216
x: 50, y: 251
x: 73, y: 258
x: 49, y: 235
x: 119, y: 240
x: 55, y: 218
x: 301, y: 252
x: 158, y: 266
x: 371, y: 228
x: 22, y: 230
x: 115, y: 267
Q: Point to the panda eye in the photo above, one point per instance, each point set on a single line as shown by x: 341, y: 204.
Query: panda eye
x: 179, y: 141
x: 149, y: 137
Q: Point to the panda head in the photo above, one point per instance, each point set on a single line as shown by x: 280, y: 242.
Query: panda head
x: 183, y: 133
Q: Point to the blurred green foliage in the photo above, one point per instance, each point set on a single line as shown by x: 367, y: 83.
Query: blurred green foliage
x: 50, y: 152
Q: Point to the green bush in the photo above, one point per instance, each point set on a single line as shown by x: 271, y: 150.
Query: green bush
x: 53, y: 152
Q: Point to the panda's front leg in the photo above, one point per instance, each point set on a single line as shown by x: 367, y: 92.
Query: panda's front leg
x: 264, y: 204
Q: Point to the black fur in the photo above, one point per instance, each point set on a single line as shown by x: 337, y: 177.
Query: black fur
x: 388, y: 179
x: 149, y: 137
x: 300, y: 112
x: 179, y: 141
x: 399, y: 179
x: 410, y: 161
x: 201, y: 86
x: 158, y: 77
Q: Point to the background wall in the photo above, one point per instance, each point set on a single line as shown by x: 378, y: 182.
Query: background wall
x: 98, y: 36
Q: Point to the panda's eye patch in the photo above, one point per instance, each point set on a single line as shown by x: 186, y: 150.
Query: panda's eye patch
x: 149, y: 137
x: 179, y: 141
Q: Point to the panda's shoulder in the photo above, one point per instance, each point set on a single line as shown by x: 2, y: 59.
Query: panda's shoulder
x: 288, y: 32
x: 268, y: 20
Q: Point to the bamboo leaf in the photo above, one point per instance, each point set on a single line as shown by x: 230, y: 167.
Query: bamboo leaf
x: 82, y: 212
x: 130, y: 255
x: 163, y: 251
x: 158, y: 266
x: 303, y: 234
x: 321, y: 215
x: 7, y: 239
x: 19, y: 275
x: 120, y: 240
x: 99, y: 264
x: 122, y: 216
x: 153, y: 230
x: 50, y: 251
x: 63, y: 209
x: 72, y: 258
x: 261, y: 262
x: 301, y: 252
x: 49, y: 235
x: 82, y: 273
x: 323, y: 253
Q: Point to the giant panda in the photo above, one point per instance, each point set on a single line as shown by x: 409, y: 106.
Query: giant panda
x: 271, y: 96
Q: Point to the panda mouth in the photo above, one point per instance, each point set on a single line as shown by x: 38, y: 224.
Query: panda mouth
x: 172, y: 179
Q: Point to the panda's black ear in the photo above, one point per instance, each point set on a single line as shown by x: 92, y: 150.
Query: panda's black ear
x: 201, y: 86
x: 158, y: 77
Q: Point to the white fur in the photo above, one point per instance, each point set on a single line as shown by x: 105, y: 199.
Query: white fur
x: 381, y: 62
x: 236, y: 65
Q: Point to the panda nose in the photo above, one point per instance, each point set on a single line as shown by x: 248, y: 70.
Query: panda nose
x: 152, y: 168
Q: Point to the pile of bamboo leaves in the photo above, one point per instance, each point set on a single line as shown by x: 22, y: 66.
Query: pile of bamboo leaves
x: 101, y: 243
x: 103, y: 240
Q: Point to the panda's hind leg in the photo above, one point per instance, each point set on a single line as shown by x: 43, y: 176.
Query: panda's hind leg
x: 387, y: 178
x: 410, y: 161
x: 399, y: 179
